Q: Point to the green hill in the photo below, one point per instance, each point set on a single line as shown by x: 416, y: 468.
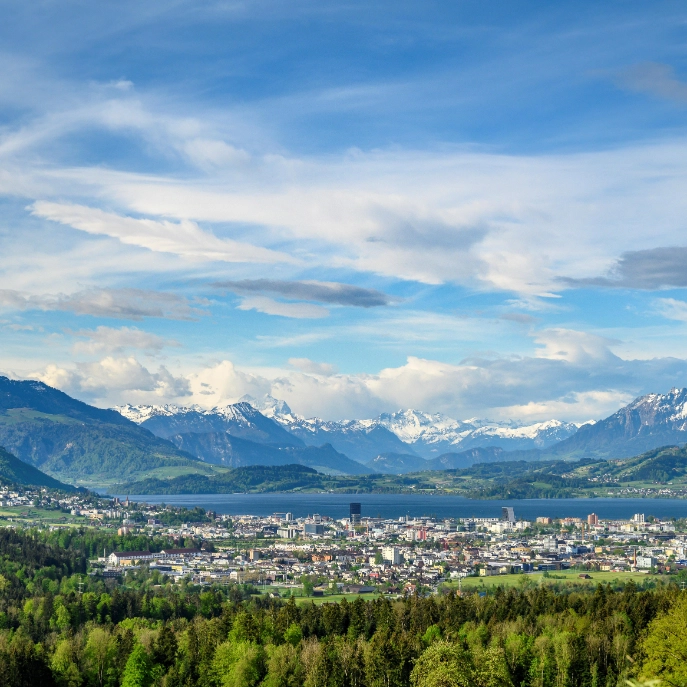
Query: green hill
x: 78, y: 443
x: 253, y: 478
x: 661, y: 465
x: 15, y: 471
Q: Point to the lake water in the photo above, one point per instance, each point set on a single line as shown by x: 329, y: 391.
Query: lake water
x: 396, y: 505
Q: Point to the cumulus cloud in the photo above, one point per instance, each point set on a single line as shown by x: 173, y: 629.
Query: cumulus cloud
x: 332, y: 293
x: 651, y: 269
x: 585, y: 383
x: 132, y: 304
x: 115, y: 380
x: 224, y: 383
x: 575, y: 387
x: 110, y: 339
x: 592, y: 405
x: 184, y: 238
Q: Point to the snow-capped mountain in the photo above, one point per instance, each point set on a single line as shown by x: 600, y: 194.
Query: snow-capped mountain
x: 141, y: 413
x: 360, y: 440
x: 416, y: 433
x: 649, y: 422
x: 512, y: 437
x: 268, y: 405
x: 408, y: 432
x: 432, y: 435
x: 238, y: 419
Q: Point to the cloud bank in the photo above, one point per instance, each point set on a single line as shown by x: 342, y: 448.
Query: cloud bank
x: 574, y: 376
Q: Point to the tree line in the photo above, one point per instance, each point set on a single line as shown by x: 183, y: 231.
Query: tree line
x: 62, y: 628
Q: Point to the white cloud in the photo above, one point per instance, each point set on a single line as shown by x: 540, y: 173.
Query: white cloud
x: 508, y: 222
x: 222, y: 383
x: 108, y: 339
x: 573, y: 346
x: 210, y: 153
x: 114, y: 380
x: 527, y: 388
x: 671, y: 309
x: 311, y: 367
x: 184, y: 238
x: 592, y: 405
x: 133, y: 304
x: 269, y: 306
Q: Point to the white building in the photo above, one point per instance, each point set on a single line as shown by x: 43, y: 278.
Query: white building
x: 392, y: 555
x: 646, y: 562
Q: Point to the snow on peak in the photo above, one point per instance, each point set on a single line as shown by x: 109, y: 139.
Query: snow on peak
x: 267, y: 405
x: 141, y: 413
x: 661, y: 408
x: 413, y: 425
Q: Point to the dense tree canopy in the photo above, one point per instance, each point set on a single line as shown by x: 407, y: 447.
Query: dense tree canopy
x: 59, y: 627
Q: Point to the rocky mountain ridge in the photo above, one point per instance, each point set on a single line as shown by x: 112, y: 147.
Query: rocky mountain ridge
x: 407, y: 432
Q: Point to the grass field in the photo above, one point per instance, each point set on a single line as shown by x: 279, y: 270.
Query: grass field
x: 572, y: 576
x: 27, y: 514
x: 329, y: 598
x: 335, y: 598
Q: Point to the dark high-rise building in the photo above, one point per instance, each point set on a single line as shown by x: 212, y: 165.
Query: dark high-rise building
x: 508, y: 514
x: 355, y: 513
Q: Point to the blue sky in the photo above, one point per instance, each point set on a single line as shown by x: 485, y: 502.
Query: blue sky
x: 470, y: 208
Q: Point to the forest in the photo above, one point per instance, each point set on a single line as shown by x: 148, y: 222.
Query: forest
x: 59, y: 626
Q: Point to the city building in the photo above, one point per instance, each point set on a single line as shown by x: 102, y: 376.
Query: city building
x: 392, y: 555
x: 592, y: 519
x: 355, y: 513
x: 646, y: 562
x: 508, y: 514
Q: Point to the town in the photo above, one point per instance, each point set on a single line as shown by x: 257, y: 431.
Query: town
x: 319, y: 556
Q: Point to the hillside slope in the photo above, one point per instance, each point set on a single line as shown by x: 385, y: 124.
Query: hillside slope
x: 15, y: 471
x: 649, y: 422
x: 223, y: 449
x: 78, y: 443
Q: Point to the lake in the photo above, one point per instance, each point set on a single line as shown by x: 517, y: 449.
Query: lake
x: 396, y: 505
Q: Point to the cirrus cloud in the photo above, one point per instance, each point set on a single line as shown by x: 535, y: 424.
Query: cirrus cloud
x: 184, y: 238
x: 133, y: 304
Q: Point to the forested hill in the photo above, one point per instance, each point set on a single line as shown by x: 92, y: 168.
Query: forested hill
x: 15, y: 471
x: 45, y: 399
x: 77, y: 443
x: 254, y: 478
x: 663, y: 469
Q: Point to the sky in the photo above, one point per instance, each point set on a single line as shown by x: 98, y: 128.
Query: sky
x: 468, y: 208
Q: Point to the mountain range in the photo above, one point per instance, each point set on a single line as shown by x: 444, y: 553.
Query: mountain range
x: 414, y: 432
x: 47, y: 435
x: 408, y: 440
